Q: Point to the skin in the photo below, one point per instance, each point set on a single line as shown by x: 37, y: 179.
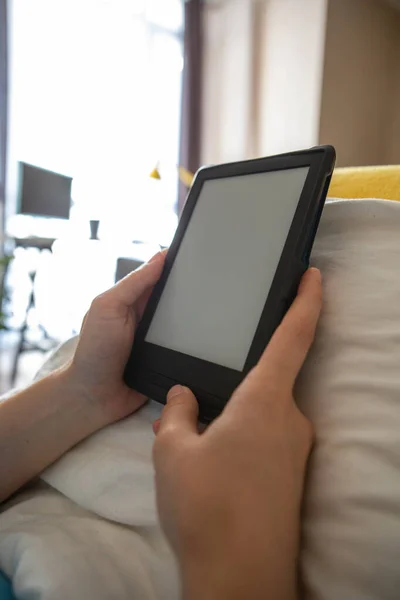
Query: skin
x: 229, y: 498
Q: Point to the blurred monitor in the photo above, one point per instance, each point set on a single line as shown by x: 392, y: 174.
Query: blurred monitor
x: 43, y: 193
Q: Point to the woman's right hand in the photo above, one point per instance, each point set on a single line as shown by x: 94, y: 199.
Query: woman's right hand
x: 229, y: 498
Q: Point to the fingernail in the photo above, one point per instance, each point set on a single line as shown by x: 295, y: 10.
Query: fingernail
x: 316, y: 273
x: 156, y: 426
x: 158, y: 256
x: 155, y: 257
x: 175, y: 391
x: 313, y: 273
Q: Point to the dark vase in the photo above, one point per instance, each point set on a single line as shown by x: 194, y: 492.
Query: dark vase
x: 94, y: 229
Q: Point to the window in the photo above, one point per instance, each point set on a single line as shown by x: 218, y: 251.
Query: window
x: 96, y: 94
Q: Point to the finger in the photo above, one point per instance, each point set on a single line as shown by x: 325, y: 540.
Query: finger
x: 84, y: 320
x: 141, y: 303
x: 133, y: 286
x: 157, y: 254
x: 180, y: 414
x: 289, y: 346
x: 275, y: 374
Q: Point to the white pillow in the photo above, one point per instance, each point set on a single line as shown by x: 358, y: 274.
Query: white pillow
x: 350, y: 388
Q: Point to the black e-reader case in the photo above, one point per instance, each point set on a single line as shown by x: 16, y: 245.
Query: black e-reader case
x: 152, y: 369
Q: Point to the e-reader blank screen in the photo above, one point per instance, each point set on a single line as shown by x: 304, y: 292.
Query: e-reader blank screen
x: 218, y: 285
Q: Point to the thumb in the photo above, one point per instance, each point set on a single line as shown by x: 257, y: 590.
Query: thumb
x: 180, y: 414
x: 132, y: 287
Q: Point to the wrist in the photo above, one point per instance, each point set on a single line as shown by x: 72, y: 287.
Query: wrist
x: 239, y: 575
x: 78, y: 402
x: 236, y: 585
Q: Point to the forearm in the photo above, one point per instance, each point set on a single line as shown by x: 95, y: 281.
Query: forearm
x: 38, y: 425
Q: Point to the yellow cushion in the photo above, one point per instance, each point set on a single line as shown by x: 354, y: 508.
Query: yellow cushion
x: 366, y: 182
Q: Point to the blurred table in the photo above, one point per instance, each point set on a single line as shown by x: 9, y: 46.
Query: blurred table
x: 70, y: 268
x: 34, y: 242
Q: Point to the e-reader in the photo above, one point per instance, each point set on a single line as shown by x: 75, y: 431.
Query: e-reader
x: 241, y: 247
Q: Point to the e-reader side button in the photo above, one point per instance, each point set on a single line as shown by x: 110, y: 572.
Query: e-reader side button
x: 208, y: 403
x: 153, y: 385
x: 161, y: 380
x: 209, y: 406
x: 167, y: 383
x: 150, y: 389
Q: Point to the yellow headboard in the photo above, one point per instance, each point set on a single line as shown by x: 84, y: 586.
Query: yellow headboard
x: 366, y: 182
x: 351, y: 182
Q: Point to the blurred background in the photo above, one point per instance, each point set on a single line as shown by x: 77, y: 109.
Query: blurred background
x: 104, y: 105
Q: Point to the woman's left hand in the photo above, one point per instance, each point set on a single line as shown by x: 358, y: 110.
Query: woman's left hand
x: 96, y: 370
x: 43, y: 421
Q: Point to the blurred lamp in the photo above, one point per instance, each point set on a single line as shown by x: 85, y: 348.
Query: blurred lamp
x: 185, y: 176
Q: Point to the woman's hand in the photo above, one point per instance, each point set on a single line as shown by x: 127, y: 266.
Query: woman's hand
x: 39, y: 424
x: 230, y: 498
x: 105, y: 343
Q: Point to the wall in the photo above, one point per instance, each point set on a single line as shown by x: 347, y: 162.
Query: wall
x: 286, y: 74
x: 393, y: 147
x: 360, y: 107
x: 292, y: 52
x: 262, y: 76
x: 227, y: 70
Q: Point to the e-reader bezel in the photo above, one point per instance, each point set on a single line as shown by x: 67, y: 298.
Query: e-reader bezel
x: 153, y: 369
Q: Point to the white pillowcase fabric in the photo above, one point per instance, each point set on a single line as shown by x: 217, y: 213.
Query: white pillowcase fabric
x: 350, y: 389
x: 90, y: 529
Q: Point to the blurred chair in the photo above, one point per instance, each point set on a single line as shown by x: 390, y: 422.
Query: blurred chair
x: 126, y: 266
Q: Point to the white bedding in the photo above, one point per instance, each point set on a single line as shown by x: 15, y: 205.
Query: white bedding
x: 90, y: 529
